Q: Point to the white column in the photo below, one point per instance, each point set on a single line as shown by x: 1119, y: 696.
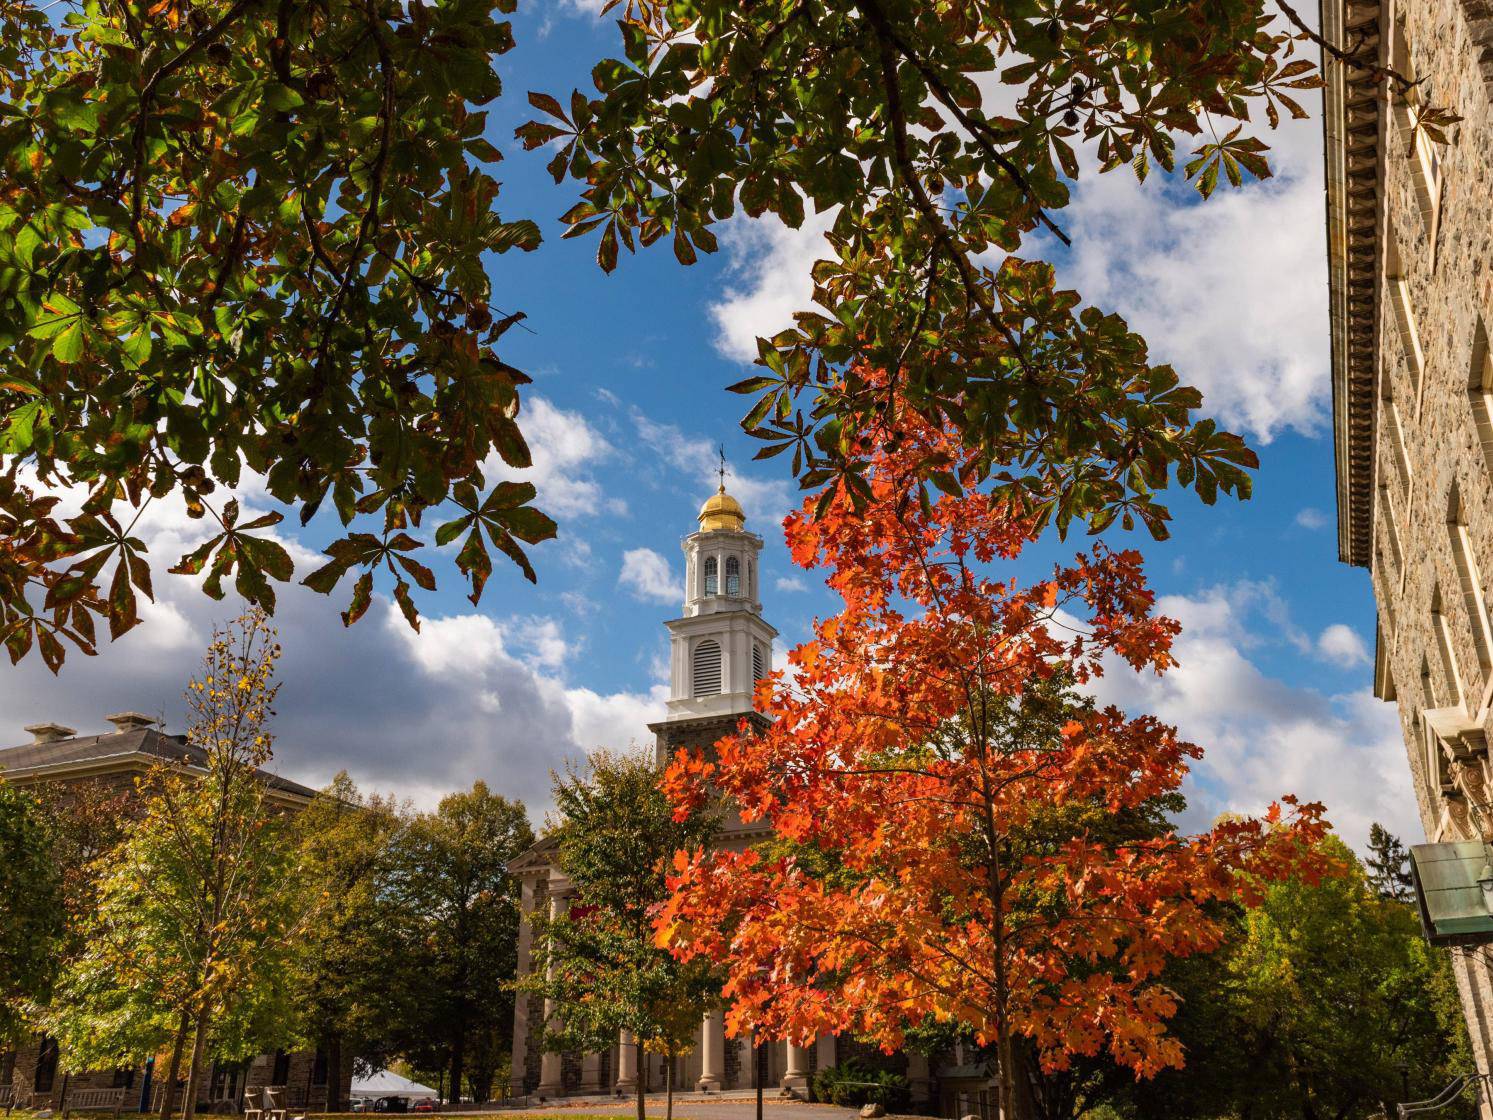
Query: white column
x: 520, y: 1051
x: 825, y: 1051
x: 627, y: 1064
x: 591, y: 1074
x: 919, y: 1077
x: 551, y: 1069
x: 796, y: 1074
x: 712, y: 1053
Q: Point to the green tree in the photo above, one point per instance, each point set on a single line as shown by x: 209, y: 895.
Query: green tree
x: 240, y: 234
x: 197, y: 909
x: 616, y: 835
x: 31, y: 908
x: 236, y: 233
x: 1312, y: 1009
x: 1388, y: 865
x: 352, y: 981
x: 452, y: 878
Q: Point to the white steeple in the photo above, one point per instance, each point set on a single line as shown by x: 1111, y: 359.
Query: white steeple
x: 722, y: 645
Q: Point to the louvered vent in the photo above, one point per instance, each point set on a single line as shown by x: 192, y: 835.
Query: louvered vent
x: 759, y: 669
x: 707, y: 668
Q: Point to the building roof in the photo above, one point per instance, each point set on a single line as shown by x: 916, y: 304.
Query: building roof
x: 119, y: 751
x: 1351, y: 129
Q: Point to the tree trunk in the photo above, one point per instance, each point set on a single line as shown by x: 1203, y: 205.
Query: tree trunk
x: 669, y: 1086
x: 168, y: 1098
x: 334, y: 1072
x: 458, y: 1059
x: 194, y: 1071
x: 642, y: 1087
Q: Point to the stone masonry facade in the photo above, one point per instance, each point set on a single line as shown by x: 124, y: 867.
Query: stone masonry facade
x: 1410, y: 233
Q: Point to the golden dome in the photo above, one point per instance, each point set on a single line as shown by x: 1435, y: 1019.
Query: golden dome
x: 721, y: 511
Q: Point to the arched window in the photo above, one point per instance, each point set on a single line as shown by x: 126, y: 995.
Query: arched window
x: 759, y: 666
x: 707, y: 668
x: 712, y: 578
x: 733, y: 576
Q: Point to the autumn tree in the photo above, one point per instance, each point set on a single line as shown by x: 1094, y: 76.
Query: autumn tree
x: 189, y: 944
x: 31, y: 917
x: 352, y: 977
x: 451, y: 879
x: 884, y: 753
x: 595, y: 957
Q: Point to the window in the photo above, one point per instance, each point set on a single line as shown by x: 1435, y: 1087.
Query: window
x: 124, y: 1078
x: 1471, y: 583
x: 733, y: 576
x: 1394, y: 430
x: 712, y: 576
x: 1448, y: 654
x: 759, y: 666
x: 46, y: 1065
x: 1392, y: 532
x: 281, y: 1073
x: 1480, y: 393
x: 1416, y: 143
x: 1398, y: 287
x: 707, y: 668
x: 1386, y: 600
x: 319, y: 1067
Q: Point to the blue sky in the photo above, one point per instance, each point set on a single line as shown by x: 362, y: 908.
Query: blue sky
x: 624, y: 415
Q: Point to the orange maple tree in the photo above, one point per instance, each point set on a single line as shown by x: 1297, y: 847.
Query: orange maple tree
x: 897, y: 887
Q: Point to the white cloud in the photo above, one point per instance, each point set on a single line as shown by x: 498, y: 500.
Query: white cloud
x: 1232, y: 291
x: 765, y: 500
x: 769, y: 266
x: 564, y: 448
x: 470, y: 696
x: 648, y: 576
x: 1313, y: 519
x: 1342, y: 646
x: 790, y: 583
x: 1263, y: 736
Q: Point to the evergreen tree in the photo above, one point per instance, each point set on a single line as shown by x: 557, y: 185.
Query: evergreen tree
x: 1389, y: 865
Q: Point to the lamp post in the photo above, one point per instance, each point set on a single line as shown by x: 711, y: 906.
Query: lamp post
x: 1485, y: 884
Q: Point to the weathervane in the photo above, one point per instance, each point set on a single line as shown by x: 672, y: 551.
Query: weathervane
x: 722, y: 450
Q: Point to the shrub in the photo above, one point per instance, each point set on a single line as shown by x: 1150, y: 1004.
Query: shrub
x: 851, y: 1084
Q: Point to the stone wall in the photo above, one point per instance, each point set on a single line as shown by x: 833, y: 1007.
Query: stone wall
x: 1433, y: 461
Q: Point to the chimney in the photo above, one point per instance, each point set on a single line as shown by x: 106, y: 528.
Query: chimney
x: 130, y: 721
x: 49, y: 732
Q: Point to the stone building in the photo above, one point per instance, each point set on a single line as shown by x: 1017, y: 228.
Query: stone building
x: 1410, y: 248
x: 112, y: 762
x: 719, y: 648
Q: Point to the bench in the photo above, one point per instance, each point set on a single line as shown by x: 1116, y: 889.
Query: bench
x: 95, y: 1100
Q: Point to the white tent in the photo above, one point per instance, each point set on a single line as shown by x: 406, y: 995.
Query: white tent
x: 387, y: 1083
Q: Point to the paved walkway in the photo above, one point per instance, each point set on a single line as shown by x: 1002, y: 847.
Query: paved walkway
x: 692, y: 1106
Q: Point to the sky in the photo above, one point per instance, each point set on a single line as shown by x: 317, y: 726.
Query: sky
x: 624, y: 416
